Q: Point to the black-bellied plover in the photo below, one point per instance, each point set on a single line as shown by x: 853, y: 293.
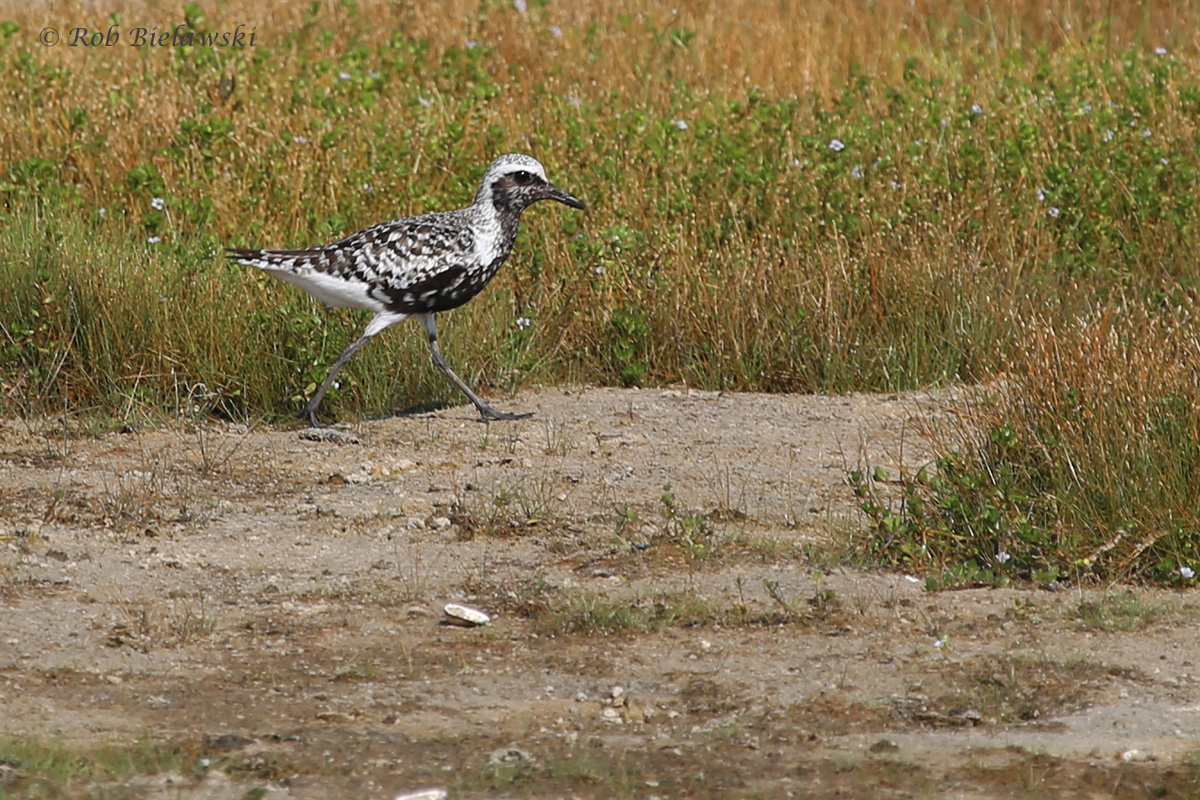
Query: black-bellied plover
x: 418, y: 266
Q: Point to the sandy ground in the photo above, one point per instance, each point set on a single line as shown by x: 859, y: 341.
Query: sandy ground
x: 269, y: 608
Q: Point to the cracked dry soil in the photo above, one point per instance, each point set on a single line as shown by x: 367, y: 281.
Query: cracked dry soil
x: 267, y: 608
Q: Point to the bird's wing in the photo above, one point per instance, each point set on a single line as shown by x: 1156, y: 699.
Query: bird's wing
x: 408, y: 265
x: 396, y: 254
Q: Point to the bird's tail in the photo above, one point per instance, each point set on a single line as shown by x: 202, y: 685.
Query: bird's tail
x: 278, y: 260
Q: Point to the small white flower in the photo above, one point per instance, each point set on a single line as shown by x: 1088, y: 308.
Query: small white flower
x: 523, y: 322
x: 894, y: 184
x: 472, y: 44
x: 154, y: 240
x: 1160, y: 51
x: 1187, y: 573
x: 521, y: 6
x: 976, y: 109
x: 1147, y: 133
x: 683, y: 126
x: 943, y: 122
x: 103, y: 211
x: 157, y: 203
x: 345, y: 76
x: 1003, y: 557
x: 1108, y: 135
x: 424, y: 102
x: 372, y: 74
x: 1053, y: 212
x: 837, y: 145
x: 1164, y: 161
x: 1041, y: 195
x: 1087, y: 108
x: 299, y: 140
x: 556, y: 31
x: 941, y: 641
x: 856, y: 172
x: 599, y: 269
x: 795, y: 163
x: 368, y: 188
x: 572, y: 100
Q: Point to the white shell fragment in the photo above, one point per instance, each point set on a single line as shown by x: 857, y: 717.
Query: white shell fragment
x: 428, y: 794
x: 465, y: 615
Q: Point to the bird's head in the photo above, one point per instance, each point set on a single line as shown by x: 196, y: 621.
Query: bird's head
x: 515, y: 182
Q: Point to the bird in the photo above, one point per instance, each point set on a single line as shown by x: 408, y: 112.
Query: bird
x: 417, y: 266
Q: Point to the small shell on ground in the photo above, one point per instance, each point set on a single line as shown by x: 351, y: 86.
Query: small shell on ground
x: 428, y: 794
x: 465, y: 616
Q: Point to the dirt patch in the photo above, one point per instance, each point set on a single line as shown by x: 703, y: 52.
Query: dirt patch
x: 253, y: 614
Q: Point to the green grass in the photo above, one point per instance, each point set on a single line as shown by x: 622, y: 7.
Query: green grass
x: 48, y: 769
x: 861, y: 198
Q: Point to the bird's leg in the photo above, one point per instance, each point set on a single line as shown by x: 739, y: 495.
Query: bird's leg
x: 310, y: 408
x: 380, y: 321
x: 435, y: 352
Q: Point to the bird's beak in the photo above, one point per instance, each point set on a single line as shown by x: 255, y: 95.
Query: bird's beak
x: 566, y: 198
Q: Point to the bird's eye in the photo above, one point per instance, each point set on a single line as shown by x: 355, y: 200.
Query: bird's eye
x: 523, y: 177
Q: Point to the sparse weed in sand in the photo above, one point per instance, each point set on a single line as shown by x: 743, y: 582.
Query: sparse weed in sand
x: 591, y: 613
x: 148, y: 624
x: 1130, y: 611
x: 1016, y: 686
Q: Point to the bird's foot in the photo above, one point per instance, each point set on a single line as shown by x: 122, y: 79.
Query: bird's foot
x: 487, y: 413
x: 310, y: 414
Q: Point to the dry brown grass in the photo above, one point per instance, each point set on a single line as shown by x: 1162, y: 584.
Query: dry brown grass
x: 1121, y: 444
x: 135, y: 98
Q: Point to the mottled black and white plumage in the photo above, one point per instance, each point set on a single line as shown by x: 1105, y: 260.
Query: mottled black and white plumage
x: 418, y: 266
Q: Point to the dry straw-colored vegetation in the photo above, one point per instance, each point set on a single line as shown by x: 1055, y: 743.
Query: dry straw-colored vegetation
x: 1083, y: 464
x: 787, y: 196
